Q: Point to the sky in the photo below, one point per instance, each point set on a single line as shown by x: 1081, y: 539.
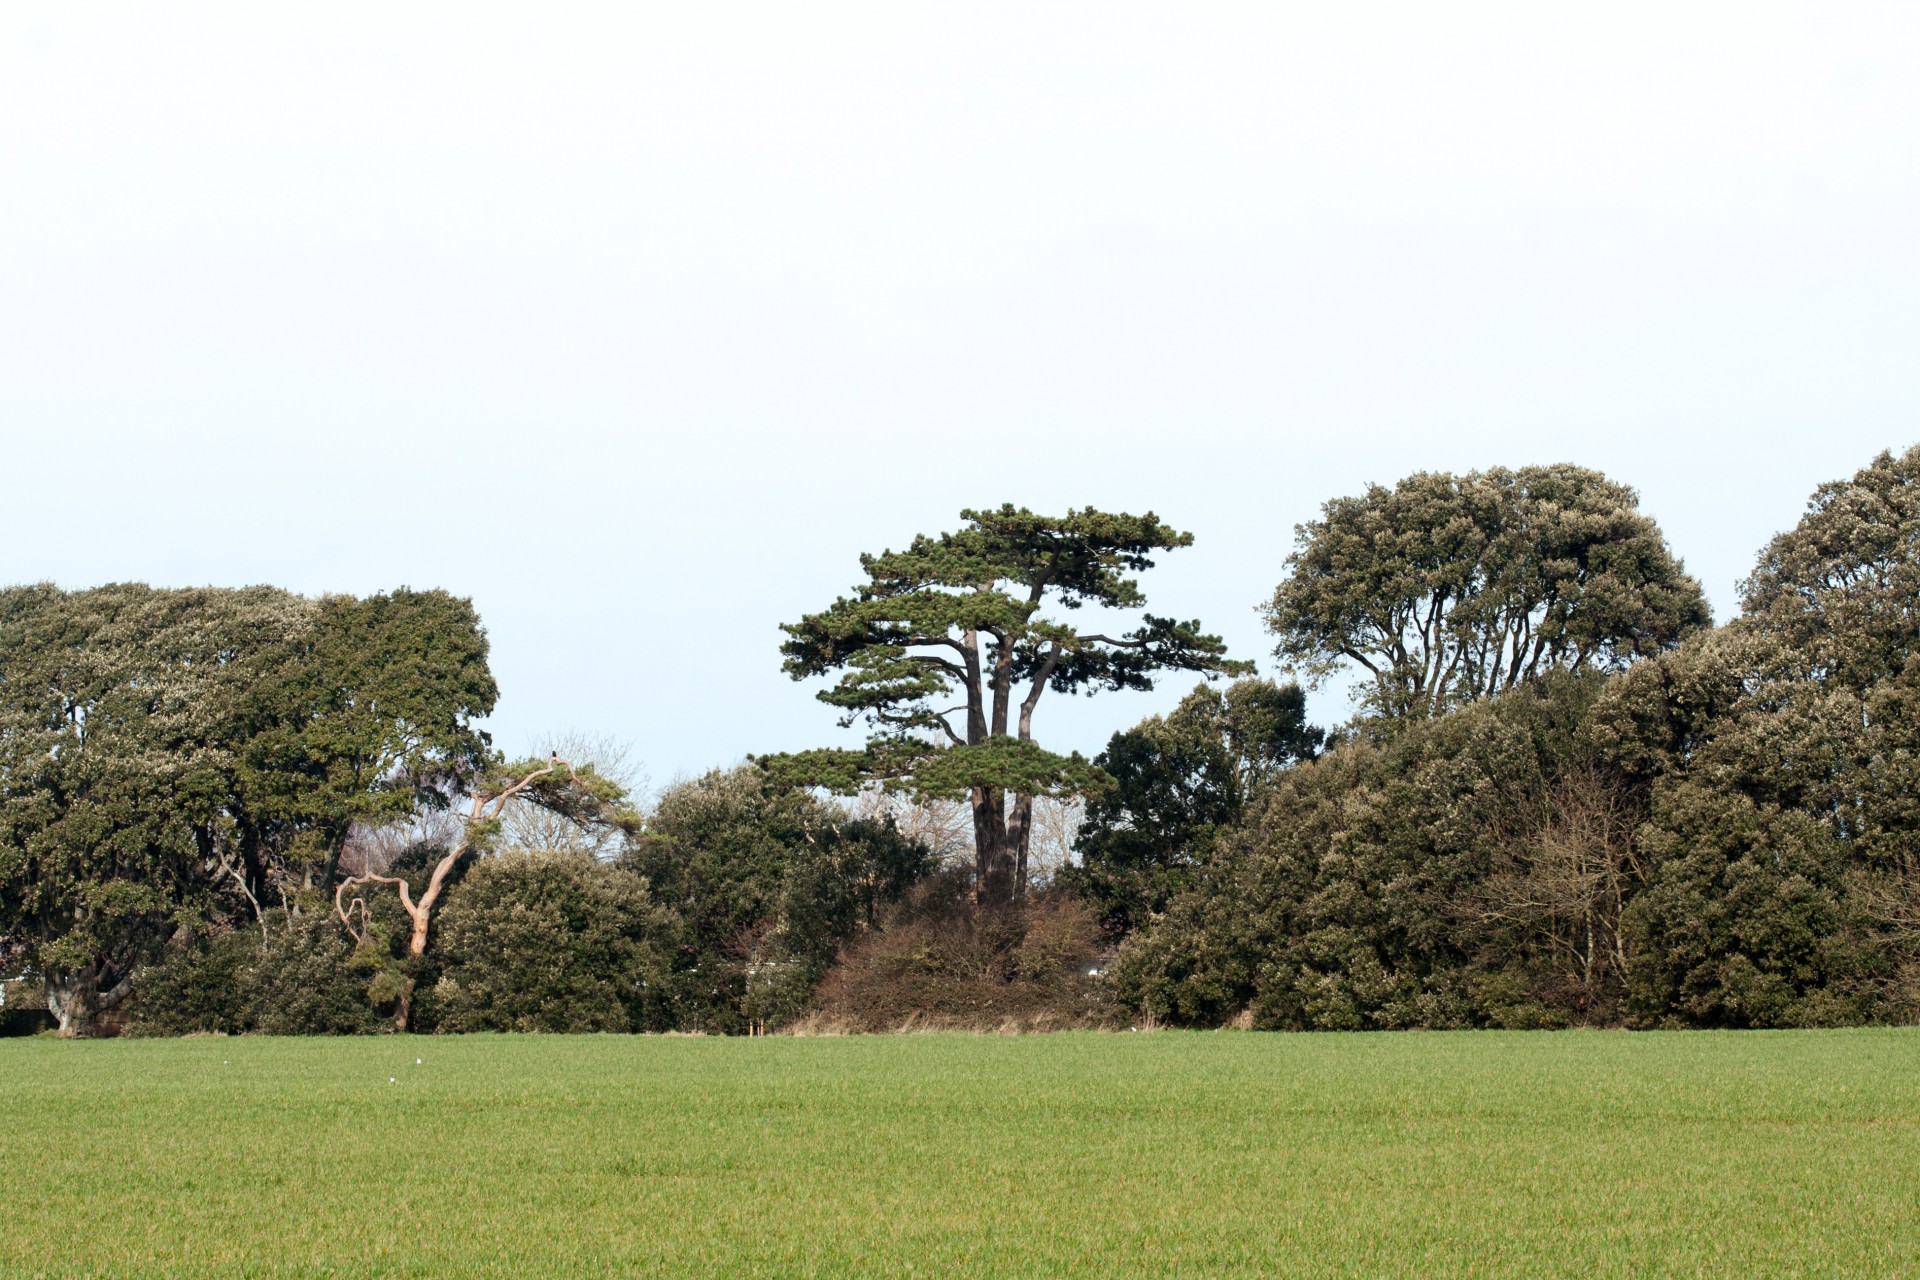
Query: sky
x: 638, y: 323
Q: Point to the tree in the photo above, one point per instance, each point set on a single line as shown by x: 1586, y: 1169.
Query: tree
x: 1783, y: 877
x: 529, y: 828
x: 961, y: 617
x: 580, y: 796
x: 552, y: 941
x: 768, y: 881
x: 1843, y: 586
x: 1178, y: 780
x: 367, y: 715
x: 1447, y: 588
x: 120, y: 708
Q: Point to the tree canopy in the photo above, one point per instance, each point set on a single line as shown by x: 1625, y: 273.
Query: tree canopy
x: 1722, y: 835
x: 947, y: 647
x: 162, y: 748
x: 1179, y: 779
x: 1448, y: 588
x: 360, y: 717
x: 119, y: 720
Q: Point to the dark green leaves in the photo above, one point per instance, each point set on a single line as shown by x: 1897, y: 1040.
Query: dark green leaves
x: 1444, y: 589
x: 947, y: 647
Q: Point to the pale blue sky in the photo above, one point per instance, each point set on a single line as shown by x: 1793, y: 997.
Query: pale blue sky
x: 638, y: 323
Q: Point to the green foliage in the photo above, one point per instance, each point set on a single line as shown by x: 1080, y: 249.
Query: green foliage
x: 307, y: 982
x: 768, y: 882
x: 1843, y: 587
x: 365, y: 714
x: 1724, y: 835
x: 117, y: 729
x: 962, y: 617
x: 1746, y: 920
x: 183, y: 758
x: 1784, y: 886
x: 1177, y: 780
x: 1540, y: 828
x: 834, y: 889
x: 295, y: 977
x: 198, y: 985
x: 1447, y: 588
x: 552, y: 942
x: 1467, y: 871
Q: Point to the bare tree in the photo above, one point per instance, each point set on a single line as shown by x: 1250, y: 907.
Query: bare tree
x: 1569, y: 873
x: 1056, y: 829
x: 944, y: 826
x: 378, y: 848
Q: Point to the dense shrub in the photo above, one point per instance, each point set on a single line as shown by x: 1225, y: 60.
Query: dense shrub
x: 1778, y: 886
x: 767, y: 882
x: 551, y: 942
x: 1725, y: 834
x: 298, y: 976
x: 198, y: 985
x: 1455, y: 872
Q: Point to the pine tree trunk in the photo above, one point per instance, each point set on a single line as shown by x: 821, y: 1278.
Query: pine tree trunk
x: 1020, y: 837
x: 993, y: 850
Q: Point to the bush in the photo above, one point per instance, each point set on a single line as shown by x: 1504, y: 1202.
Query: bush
x: 198, y: 985
x: 1464, y: 871
x: 768, y: 882
x: 554, y: 942
x: 300, y: 979
x: 308, y: 980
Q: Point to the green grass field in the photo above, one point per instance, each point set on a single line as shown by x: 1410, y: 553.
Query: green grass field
x: 1223, y: 1154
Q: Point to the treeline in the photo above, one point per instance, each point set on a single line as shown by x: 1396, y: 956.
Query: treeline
x: 1568, y: 798
x: 1723, y: 833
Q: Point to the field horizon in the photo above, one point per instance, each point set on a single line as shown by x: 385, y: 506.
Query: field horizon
x: 1069, y: 1154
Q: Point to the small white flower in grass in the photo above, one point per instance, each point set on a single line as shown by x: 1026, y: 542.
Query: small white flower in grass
x: 416, y: 1062
x: 393, y: 1079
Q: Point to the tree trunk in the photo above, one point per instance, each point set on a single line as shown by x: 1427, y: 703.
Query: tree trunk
x: 75, y: 999
x: 994, y: 854
x: 336, y: 845
x: 1020, y: 836
x: 70, y: 999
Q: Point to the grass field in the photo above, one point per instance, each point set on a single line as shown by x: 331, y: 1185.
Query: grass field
x: 1223, y: 1154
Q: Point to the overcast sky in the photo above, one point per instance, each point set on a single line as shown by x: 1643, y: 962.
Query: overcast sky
x: 638, y: 323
